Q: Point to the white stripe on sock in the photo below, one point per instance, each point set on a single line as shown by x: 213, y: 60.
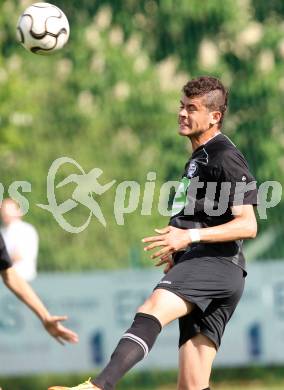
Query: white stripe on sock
x: 130, y: 337
x: 138, y: 340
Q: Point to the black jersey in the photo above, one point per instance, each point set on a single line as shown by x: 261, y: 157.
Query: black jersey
x: 216, y: 177
x: 5, y: 261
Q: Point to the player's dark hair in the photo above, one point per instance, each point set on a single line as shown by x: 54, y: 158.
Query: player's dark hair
x: 214, y: 91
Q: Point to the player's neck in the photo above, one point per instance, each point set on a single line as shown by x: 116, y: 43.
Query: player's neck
x: 201, y: 139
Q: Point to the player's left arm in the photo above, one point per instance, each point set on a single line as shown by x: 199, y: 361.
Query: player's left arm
x: 172, y: 239
x: 27, y: 295
x: 243, y: 226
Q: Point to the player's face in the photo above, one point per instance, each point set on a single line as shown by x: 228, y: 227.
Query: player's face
x: 194, y: 117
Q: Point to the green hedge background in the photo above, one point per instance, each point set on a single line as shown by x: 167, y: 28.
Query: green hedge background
x: 110, y: 100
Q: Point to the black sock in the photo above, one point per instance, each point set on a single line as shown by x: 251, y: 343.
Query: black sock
x: 134, y: 345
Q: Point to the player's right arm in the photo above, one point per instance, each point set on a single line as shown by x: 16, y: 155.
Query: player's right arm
x: 27, y: 295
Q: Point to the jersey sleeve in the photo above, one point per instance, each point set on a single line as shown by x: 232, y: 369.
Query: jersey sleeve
x: 5, y: 261
x: 235, y: 170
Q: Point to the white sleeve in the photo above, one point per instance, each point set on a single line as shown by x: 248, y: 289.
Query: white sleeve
x: 27, y: 248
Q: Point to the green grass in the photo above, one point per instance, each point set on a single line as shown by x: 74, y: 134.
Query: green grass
x: 248, y: 378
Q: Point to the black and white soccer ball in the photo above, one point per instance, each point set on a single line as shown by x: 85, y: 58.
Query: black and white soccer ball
x: 43, y: 28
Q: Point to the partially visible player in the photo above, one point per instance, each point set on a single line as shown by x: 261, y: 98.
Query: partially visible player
x: 26, y: 294
x: 21, y: 239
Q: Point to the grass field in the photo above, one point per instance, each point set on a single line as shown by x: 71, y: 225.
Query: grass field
x: 248, y: 378
x: 240, y: 386
x: 236, y: 386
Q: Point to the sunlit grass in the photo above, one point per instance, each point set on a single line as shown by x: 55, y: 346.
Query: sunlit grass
x: 242, y: 378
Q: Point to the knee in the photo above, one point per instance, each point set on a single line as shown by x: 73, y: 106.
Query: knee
x: 147, y: 307
x: 152, y: 304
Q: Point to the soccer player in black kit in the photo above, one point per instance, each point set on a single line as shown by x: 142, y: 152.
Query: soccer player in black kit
x: 201, y: 246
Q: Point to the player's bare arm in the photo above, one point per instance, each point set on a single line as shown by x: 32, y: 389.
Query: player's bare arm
x: 243, y: 226
x: 26, y: 294
x: 172, y: 239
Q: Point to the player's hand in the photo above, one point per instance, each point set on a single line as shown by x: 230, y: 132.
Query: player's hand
x: 58, y: 331
x: 170, y: 239
x: 168, y: 260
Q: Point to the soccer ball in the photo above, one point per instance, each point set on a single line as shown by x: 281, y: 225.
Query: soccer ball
x: 43, y: 28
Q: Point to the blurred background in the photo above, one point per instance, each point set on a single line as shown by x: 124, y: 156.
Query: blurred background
x: 109, y: 100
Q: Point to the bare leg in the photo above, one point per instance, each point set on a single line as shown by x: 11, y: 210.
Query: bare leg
x: 195, y: 362
x: 161, y: 307
x: 166, y: 306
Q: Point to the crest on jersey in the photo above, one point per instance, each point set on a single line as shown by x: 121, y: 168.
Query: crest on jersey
x: 191, y: 169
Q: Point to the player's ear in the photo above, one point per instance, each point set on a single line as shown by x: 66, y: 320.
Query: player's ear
x: 215, y: 117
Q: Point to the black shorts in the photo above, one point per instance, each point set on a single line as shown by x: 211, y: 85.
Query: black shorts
x: 214, y: 285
